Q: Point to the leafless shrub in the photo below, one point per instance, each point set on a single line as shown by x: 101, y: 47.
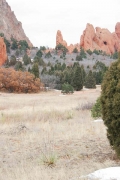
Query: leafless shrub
x: 85, y: 106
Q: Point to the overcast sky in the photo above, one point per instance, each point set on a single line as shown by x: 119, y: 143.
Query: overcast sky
x: 42, y: 18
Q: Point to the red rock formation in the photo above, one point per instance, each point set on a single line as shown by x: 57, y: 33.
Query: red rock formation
x: 95, y: 38
x: 59, y: 40
x: 117, y: 29
x: 86, y: 40
x: 9, y: 25
x: 101, y: 39
x: 3, y: 55
x: 71, y: 47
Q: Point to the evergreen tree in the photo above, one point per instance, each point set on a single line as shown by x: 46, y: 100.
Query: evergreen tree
x: 39, y: 61
x: 75, y: 50
x: 82, y: 53
x: 19, y: 66
x: 44, y: 71
x: 48, y: 55
x: 99, y: 71
x: 78, y: 79
x: 35, y: 70
x: 63, y: 66
x: 90, y: 81
x: 23, y: 45
x: 89, y: 52
x: 39, y: 54
x: 110, y: 102
x: 96, y: 109
x: 42, y: 48
x: 79, y: 58
x: 83, y: 74
x: 14, y: 44
x: 26, y: 59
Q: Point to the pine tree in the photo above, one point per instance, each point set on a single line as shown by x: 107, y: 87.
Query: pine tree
x: 39, y: 54
x: 78, y: 79
x: 35, y: 70
x: 90, y: 81
x: 26, y: 59
x: 110, y: 102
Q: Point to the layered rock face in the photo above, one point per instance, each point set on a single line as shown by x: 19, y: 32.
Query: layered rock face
x: 3, y: 54
x: 9, y: 25
x: 60, y: 40
x: 101, y: 39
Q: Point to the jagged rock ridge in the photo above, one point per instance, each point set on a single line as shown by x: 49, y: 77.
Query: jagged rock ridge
x: 9, y: 25
x: 95, y: 38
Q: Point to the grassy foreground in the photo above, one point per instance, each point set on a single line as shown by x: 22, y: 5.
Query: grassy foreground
x: 50, y: 136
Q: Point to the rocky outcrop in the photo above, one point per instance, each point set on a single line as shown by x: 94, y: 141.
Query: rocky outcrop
x: 101, y: 39
x: 60, y: 40
x: 71, y: 47
x: 86, y: 40
x: 9, y: 25
x: 3, y: 55
x: 95, y: 38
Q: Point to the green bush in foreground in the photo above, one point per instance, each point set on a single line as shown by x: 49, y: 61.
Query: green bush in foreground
x: 67, y: 88
x: 110, y: 101
x: 96, y: 109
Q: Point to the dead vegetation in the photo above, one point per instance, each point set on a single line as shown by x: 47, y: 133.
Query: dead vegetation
x: 49, y: 136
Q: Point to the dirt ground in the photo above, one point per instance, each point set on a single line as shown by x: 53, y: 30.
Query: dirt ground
x: 50, y: 136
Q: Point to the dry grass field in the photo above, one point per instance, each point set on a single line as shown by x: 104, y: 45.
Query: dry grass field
x: 50, y: 136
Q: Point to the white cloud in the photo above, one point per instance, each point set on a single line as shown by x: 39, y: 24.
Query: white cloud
x: 42, y: 18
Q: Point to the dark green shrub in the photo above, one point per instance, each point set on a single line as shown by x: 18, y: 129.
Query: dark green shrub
x: 79, y: 58
x: 96, y: 109
x: 39, y: 53
x: 14, y: 44
x: 110, y: 102
x: 67, y: 88
x: 89, y: 52
x: 115, y: 55
x: 82, y: 53
x: 96, y: 52
x: 62, y: 48
x: 48, y: 55
x: 75, y: 50
x: 42, y: 48
x: 23, y: 45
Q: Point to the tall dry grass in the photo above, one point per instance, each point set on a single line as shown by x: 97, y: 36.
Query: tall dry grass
x: 49, y: 136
